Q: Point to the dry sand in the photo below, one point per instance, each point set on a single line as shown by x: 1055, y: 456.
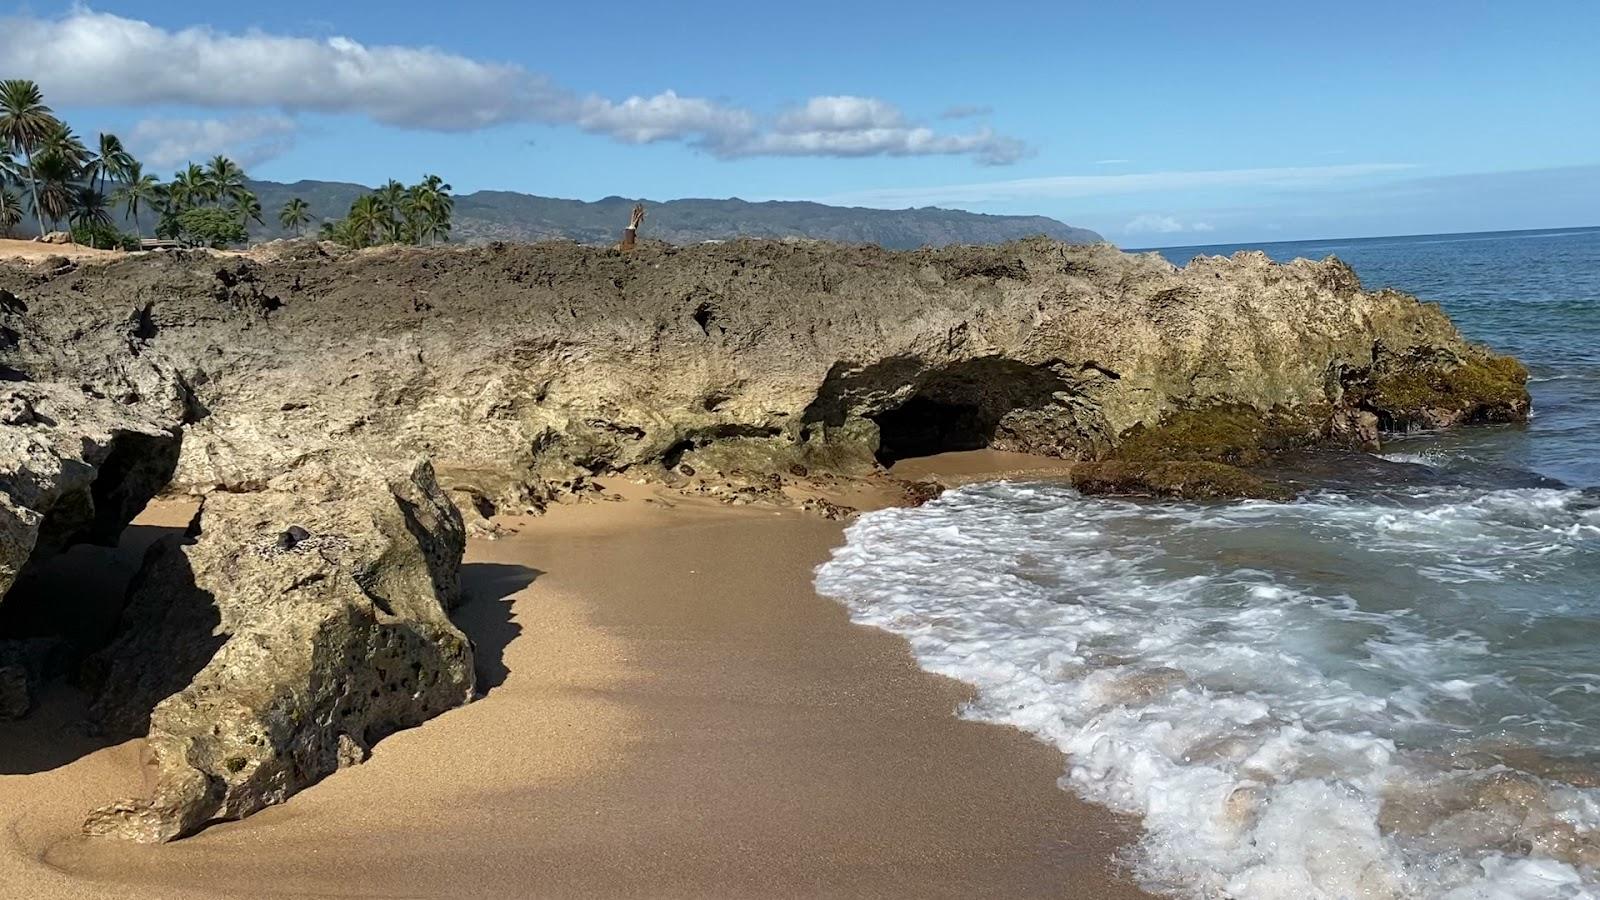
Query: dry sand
x: 33, y: 250
x: 672, y: 712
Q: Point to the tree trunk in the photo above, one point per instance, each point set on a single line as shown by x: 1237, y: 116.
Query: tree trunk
x: 630, y: 235
x: 33, y: 187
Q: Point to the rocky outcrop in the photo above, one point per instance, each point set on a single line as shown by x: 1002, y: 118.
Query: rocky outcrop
x: 75, y: 467
x: 304, y: 616
x: 90, y: 420
x: 296, y: 625
x: 523, y: 371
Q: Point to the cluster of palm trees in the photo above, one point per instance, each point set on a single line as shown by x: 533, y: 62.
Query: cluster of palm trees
x: 393, y: 214
x: 47, y: 170
x: 66, y: 181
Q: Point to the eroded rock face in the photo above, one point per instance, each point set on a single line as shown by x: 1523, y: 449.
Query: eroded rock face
x: 523, y: 371
x: 298, y: 623
x: 75, y: 467
x: 90, y: 419
x: 304, y: 616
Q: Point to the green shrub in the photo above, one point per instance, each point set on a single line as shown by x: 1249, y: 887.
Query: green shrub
x: 210, y: 226
x: 105, y: 237
x: 167, y: 228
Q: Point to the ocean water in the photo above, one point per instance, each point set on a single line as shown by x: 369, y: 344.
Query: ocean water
x: 1387, y: 688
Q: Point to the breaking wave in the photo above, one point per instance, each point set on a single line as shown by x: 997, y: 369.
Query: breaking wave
x: 1391, y: 695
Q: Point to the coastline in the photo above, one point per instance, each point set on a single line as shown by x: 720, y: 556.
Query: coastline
x: 671, y: 711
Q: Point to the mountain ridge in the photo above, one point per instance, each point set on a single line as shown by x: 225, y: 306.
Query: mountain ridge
x: 491, y: 215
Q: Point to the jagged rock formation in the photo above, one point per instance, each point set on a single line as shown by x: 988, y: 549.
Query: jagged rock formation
x: 300, y: 623
x: 74, y: 468
x: 523, y: 371
x: 89, y: 429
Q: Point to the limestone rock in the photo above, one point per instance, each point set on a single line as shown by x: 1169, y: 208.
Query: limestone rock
x: 303, y: 617
x: 261, y: 668
x: 75, y: 468
x: 523, y: 370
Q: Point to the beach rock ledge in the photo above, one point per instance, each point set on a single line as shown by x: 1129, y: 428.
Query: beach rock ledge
x: 293, y: 391
x: 294, y: 626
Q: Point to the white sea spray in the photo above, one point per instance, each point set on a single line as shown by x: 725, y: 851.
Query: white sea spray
x: 1319, y: 699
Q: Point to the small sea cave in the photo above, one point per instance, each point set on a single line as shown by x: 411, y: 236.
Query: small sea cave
x: 925, y: 426
x: 962, y: 407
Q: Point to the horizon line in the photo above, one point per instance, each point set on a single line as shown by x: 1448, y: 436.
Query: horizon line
x: 1363, y: 237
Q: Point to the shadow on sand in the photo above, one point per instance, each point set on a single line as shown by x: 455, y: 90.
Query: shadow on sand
x: 485, y: 615
x: 75, y: 600
x: 71, y: 605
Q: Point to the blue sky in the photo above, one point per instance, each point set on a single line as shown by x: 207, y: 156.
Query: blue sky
x: 1153, y: 123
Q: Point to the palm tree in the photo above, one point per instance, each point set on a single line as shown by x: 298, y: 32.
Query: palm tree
x: 10, y: 211
x: 111, y: 163
x: 342, y: 231
x: 415, y: 213
x: 225, y: 178
x: 24, y: 121
x: 295, y: 216
x: 434, y: 206
x: 138, y: 189
x: 248, y: 206
x: 53, y: 188
x: 61, y: 141
x: 368, y: 218
x: 189, y: 187
x: 392, y: 201
x: 90, y: 213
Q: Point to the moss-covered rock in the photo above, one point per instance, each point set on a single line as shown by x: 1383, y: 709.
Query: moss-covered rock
x: 1234, y: 434
x: 1422, y: 389
x: 1187, y: 479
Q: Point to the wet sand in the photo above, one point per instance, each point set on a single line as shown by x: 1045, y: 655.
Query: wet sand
x: 969, y: 466
x: 671, y: 712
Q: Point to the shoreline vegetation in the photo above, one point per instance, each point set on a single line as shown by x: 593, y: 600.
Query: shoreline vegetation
x: 49, y: 173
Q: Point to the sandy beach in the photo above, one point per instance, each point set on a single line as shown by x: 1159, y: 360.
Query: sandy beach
x: 30, y: 251
x: 671, y: 711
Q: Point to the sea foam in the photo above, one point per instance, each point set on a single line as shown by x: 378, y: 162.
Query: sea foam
x: 1338, y: 697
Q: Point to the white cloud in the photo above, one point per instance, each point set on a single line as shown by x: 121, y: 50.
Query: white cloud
x: 984, y: 145
x: 1152, y: 223
x: 845, y: 125
x: 1111, y: 162
x: 88, y: 57
x: 841, y: 113
x: 1079, y: 186
x: 104, y: 59
x: 248, y: 140
x: 666, y: 116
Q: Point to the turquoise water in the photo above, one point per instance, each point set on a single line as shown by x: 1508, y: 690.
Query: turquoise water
x: 1387, y: 688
